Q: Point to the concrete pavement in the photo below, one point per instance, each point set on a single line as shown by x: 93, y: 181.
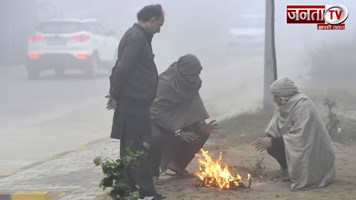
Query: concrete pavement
x: 68, y: 176
x: 53, y: 134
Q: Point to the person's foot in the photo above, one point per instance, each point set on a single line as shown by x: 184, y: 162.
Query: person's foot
x: 186, y: 173
x: 175, y: 168
x: 286, y: 179
x: 285, y: 175
x: 284, y: 172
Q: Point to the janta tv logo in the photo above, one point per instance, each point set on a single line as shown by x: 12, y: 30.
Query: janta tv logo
x: 327, y: 17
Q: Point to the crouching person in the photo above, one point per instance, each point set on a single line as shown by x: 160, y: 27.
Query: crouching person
x: 178, y: 117
x: 298, y: 139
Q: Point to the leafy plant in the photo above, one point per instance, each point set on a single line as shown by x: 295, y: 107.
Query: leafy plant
x: 116, y: 171
x: 258, y: 168
x: 333, y: 123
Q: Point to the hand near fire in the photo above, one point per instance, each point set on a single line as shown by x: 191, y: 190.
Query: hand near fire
x: 210, y: 127
x: 112, y: 103
x: 188, y: 136
x: 262, y: 143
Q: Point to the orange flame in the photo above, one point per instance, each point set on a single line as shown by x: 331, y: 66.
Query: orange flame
x: 212, y: 174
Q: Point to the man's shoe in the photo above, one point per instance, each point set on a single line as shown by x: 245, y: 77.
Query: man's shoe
x: 156, y: 196
x: 150, y: 198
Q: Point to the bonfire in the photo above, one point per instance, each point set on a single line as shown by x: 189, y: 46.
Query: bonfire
x: 215, y: 174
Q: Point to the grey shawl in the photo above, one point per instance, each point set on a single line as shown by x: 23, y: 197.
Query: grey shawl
x: 284, y: 87
x: 309, y: 152
x: 178, y: 103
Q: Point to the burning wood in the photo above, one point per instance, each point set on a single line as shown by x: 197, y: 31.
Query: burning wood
x: 212, y: 174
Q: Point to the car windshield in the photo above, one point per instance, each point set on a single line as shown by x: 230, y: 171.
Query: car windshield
x: 61, y: 27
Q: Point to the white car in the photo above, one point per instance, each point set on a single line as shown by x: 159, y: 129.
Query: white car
x: 61, y: 44
x: 248, y: 36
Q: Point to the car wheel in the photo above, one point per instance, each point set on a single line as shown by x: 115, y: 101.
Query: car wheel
x: 93, y: 68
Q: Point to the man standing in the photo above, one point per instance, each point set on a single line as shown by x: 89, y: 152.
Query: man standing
x: 133, y: 85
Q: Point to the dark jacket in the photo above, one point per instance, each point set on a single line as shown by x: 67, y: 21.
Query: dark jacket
x: 134, y: 76
x: 133, y: 81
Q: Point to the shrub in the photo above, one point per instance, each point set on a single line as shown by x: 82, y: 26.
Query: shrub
x: 116, y: 171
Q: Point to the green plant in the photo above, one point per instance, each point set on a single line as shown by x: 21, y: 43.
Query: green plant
x: 258, y: 168
x: 333, y: 123
x: 116, y: 172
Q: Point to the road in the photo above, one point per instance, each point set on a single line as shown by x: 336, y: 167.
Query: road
x: 49, y: 116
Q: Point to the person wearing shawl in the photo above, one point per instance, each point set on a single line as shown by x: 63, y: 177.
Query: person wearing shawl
x: 178, y: 117
x: 298, y: 139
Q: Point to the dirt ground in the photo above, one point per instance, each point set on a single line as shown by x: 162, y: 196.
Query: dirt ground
x: 268, y: 187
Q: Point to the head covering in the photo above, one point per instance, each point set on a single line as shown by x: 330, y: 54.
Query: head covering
x: 188, y: 68
x: 178, y: 102
x: 189, y: 65
x: 284, y: 87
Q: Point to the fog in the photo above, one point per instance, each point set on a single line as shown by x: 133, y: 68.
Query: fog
x: 232, y: 81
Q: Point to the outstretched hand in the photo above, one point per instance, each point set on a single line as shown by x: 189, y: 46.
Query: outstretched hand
x: 112, y: 103
x: 188, y: 136
x: 211, y: 127
x: 262, y: 143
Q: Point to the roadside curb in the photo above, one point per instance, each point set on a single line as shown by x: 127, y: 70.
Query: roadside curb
x: 25, y: 196
x: 32, y: 195
x: 78, y: 149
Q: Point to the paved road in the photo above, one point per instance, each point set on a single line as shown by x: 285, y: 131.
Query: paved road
x: 48, y: 116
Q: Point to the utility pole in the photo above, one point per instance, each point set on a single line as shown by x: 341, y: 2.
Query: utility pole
x: 270, y: 63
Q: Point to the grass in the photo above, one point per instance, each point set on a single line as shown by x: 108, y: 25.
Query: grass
x: 246, y: 127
